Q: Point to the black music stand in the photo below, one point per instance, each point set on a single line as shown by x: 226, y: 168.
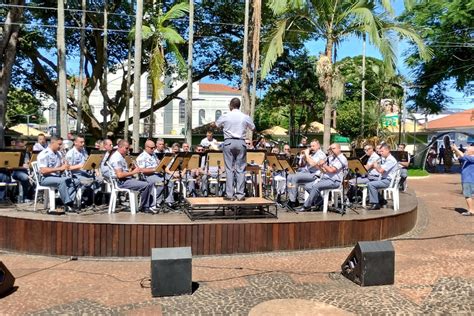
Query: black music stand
x: 91, y: 164
x: 165, y: 160
x: 179, y: 163
x: 10, y: 159
x: 356, y: 168
x: 215, y: 159
x: 285, y: 164
x: 274, y: 163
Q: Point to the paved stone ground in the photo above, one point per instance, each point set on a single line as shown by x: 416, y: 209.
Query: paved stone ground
x: 434, y: 275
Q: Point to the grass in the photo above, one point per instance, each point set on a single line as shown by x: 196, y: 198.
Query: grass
x: 417, y: 173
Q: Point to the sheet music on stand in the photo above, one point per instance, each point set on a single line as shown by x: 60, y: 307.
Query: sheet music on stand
x: 356, y: 166
x: 215, y: 159
x: 180, y: 161
x: 164, y: 162
x: 274, y: 163
x: 11, y: 158
x: 256, y: 157
x: 285, y: 164
x: 195, y: 160
x: 94, y: 160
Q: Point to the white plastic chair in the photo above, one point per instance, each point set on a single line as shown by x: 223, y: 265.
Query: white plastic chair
x: 115, y: 190
x: 51, y: 190
x: 392, y: 192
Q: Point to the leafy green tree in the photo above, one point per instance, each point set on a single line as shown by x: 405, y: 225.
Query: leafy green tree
x: 447, y: 27
x: 334, y: 21
x: 21, y: 103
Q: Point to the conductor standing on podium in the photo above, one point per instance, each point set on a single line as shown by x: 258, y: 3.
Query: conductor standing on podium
x: 235, y: 125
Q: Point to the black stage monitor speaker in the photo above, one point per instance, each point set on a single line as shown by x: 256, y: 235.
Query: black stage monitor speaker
x: 370, y: 263
x: 171, y: 271
x: 7, y: 280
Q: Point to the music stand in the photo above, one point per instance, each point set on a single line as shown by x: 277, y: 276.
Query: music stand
x: 91, y: 164
x: 215, y: 159
x: 10, y: 159
x: 164, y: 162
x: 356, y: 167
x: 179, y: 163
x: 34, y: 156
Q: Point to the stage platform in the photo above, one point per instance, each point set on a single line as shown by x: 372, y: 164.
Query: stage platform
x: 124, y: 235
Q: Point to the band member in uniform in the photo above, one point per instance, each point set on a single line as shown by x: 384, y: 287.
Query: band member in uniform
x: 41, y: 144
x: 403, y: 168
x: 235, y: 125
x: 148, y: 161
x: 76, y: 157
x: 160, y: 146
x: 50, y: 167
x: 387, y: 169
x: 108, y: 147
x: 310, y: 172
x: 208, y: 140
x: 125, y: 177
x: 21, y: 174
x: 372, y: 173
x: 332, y: 175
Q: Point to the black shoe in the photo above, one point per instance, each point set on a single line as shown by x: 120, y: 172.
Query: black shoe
x: 242, y: 198
x: 227, y: 198
x: 69, y: 209
x: 383, y: 202
x: 374, y: 207
x: 293, y: 204
x: 170, y: 205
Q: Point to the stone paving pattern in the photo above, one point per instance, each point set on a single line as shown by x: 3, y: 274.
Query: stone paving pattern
x: 433, y: 275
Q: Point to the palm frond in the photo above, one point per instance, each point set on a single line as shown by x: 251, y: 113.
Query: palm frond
x: 368, y: 22
x: 387, y: 5
x: 147, y: 32
x: 274, y: 47
x: 279, y: 7
x: 425, y: 52
x: 177, y: 11
x: 171, y: 35
x: 177, y: 54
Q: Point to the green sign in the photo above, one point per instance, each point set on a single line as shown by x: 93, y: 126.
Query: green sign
x: 390, y: 120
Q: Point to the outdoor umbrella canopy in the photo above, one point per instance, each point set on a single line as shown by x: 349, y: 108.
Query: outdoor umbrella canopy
x: 23, y: 129
x: 316, y: 127
x: 275, y: 130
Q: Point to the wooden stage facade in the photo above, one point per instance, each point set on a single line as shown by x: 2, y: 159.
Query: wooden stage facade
x: 126, y: 235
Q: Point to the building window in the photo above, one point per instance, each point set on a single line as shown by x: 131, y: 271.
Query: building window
x: 218, y: 114
x: 149, y: 88
x: 182, y: 111
x: 202, y: 117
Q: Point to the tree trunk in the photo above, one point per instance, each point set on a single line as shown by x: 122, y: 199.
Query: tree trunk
x: 105, y: 110
x: 189, y: 101
x: 137, y: 72
x: 362, y: 112
x: 62, y: 87
x: 81, y: 68
x: 245, y: 71
x: 8, y: 46
x: 257, y: 21
x: 328, y: 95
x: 127, y: 95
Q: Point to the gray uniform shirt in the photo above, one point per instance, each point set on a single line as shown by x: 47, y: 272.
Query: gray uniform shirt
x: 390, y: 167
x: 77, y: 157
x: 117, y: 161
x: 145, y: 160
x: 373, y: 158
x: 235, y: 124
x: 340, y: 163
x: 49, y: 159
x: 317, y: 156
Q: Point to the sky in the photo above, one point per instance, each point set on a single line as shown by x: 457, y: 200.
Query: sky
x: 353, y: 47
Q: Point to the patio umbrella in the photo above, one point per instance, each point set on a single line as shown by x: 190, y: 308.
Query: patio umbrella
x: 316, y: 127
x: 275, y: 130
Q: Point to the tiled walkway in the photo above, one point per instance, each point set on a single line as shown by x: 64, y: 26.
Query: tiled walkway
x: 434, y: 274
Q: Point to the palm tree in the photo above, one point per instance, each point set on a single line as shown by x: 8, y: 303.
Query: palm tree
x: 334, y: 21
x: 137, y: 70
x: 163, y: 37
